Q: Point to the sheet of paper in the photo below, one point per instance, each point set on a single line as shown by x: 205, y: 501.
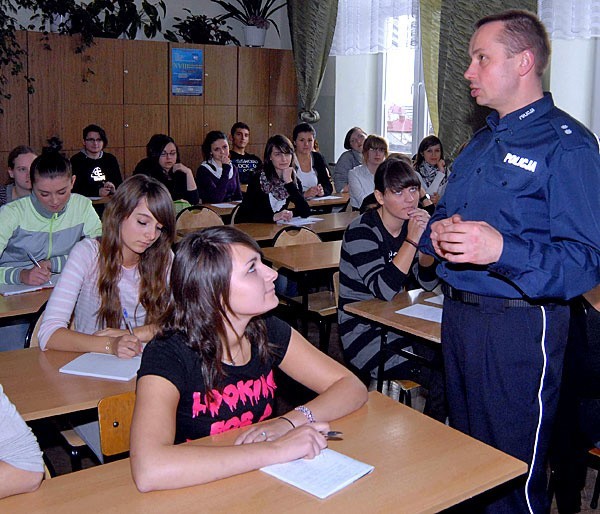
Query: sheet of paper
x: 321, y: 198
x: 225, y: 205
x: 438, y: 299
x: 11, y: 289
x: 102, y: 365
x: 423, y: 312
x: 322, y: 476
x: 298, y: 221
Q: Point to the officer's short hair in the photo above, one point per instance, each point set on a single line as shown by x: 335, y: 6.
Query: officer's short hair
x: 522, y: 31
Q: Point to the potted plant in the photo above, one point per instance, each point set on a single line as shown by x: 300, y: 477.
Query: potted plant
x: 255, y: 15
x: 201, y: 30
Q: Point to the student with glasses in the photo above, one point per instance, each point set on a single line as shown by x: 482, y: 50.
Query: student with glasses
x: 98, y: 172
x: 360, y: 179
x: 163, y: 164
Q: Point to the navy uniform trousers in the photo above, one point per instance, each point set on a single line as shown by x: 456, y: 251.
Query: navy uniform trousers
x: 503, y: 368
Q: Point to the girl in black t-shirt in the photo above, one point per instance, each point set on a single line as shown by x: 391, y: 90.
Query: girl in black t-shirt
x: 211, y: 370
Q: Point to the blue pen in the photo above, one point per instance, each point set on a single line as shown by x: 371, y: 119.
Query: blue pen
x: 127, y: 322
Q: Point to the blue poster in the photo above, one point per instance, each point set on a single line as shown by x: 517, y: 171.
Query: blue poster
x: 187, y: 72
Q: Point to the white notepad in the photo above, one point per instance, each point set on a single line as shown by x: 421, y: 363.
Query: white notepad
x: 421, y: 311
x: 322, y: 476
x: 103, y: 365
x: 11, y: 289
x: 299, y: 222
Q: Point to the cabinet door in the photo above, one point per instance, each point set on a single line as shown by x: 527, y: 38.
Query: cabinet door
x: 52, y: 103
x: 143, y: 121
x: 185, y: 100
x: 282, y: 120
x: 253, y: 76
x: 257, y: 118
x: 219, y: 117
x: 220, y: 75
x: 186, y: 124
x: 191, y: 156
x: 14, y: 130
x: 283, y: 88
x: 146, y: 74
x: 132, y: 155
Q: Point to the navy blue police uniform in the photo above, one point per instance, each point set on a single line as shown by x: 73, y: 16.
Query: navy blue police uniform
x: 534, y: 175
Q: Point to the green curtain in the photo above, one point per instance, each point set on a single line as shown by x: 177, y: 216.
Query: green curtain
x: 446, y: 29
x: 312, y: 24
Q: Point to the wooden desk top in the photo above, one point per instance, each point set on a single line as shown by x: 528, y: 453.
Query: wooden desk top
x: 385, y: 314
x: 421, y: 466
x: 222, y: 211
x: 305, y: 257
x: 332, y: 222
x: 340, y: 199
x: 23, y: 304
x: 33, y: 383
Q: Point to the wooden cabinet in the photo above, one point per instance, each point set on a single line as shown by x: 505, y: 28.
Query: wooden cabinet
x: 124, y: 86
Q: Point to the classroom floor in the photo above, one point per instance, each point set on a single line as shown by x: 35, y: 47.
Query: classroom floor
x: 294, y: 395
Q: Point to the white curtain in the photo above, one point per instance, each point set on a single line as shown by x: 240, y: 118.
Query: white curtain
x: 372, y: 26
x: 570, y: 19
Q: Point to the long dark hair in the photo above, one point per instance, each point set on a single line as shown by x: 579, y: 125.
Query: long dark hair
x: 281, y: 143
x: 211, y: 137
x: 200, y: 292
x: 157, y: 144
x: 153, y: 263
x: 428, y: 142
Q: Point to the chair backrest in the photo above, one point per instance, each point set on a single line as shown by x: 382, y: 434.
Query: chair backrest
x: 198, y: 216
x: 336, y: 287
x: 31, y: 338
x: 114, y: 417
x: 234, y: 213
x: 289, y: 236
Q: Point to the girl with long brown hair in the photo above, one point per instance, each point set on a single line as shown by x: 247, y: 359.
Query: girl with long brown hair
x: 212, y: 366
x: 122, y: 275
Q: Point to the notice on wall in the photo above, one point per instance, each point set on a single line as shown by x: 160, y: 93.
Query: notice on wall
x: 187, y: 73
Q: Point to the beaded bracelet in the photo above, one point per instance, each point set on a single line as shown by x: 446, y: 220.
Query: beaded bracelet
x: 108, y: 346
x: 307, y: 412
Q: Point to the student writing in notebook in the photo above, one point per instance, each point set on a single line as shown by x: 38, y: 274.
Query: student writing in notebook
x: 46, y: 223
x: 211, y: 370
x: 126, y: 270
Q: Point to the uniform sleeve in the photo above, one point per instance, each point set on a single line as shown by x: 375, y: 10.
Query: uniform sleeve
x: 9, y: 221
x: 18, y: 445
x: 362, y: 249
x: 165, y: 357
x: 279, y: 334
x: 569, y: 265
x: 61, y: 303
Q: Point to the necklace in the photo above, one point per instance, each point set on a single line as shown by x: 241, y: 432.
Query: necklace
x: 233, y: 357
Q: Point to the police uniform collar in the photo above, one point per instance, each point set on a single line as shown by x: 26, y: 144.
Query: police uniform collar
x: 524, y: 115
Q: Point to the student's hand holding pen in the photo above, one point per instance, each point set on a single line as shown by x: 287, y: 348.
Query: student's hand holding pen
x: 124, y: 345
x: 37, y: 275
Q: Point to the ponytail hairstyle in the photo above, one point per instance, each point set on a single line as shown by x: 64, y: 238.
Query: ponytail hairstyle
x: 52, y: 163
x: 200, y: 292
x: 154, y: 263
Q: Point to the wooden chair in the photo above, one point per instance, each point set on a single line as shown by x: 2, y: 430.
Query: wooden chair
x: 322, y: 305
x: 234, y: 214
x: 114, y: 417
x: 198, y: 216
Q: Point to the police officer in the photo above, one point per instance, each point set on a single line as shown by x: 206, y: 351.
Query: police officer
x: 517, y: 234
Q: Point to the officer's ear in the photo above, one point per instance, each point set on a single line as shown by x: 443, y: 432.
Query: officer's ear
x: 526, y: 62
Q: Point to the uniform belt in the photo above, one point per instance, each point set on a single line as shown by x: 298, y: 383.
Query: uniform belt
x: 475, y: 299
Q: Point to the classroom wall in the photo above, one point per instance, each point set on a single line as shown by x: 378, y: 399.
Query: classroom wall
x: 575, y: 79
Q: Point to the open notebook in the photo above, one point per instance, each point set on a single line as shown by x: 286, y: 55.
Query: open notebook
x: 102, y: 365
x: 11, y: 289
x: 322, y: 476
